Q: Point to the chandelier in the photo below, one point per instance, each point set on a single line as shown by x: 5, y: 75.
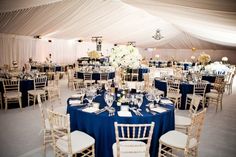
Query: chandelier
x: 158, y: 35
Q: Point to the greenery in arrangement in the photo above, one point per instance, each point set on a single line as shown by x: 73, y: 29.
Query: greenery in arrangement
x: 125, y: 56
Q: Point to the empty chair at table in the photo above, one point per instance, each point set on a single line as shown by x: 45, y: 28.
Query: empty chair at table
x: 174, y: 142
x: 104, y: 77
x: 39, y: 89
x: 71, y: 78
x: 173, y: 92
x: 130, y: 140
x: 11, y: 92
x: 134, y: 75
x: 199, y: 90
x: 53, y: 89
x: 65, y: 142
x: 88, y: 81
x: 216, y: 97
x: 47, y: 136
x: 182, y: 123
x: 229, y: 82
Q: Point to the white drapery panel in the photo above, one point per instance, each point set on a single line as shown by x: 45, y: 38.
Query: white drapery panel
x: 119, y: 22
x: 21, y: 48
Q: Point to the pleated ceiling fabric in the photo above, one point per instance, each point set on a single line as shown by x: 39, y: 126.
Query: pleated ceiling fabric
x: 204, y: 24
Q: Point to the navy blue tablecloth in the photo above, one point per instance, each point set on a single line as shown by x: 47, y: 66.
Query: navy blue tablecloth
x: 210, y: 78
x: 185, y: 88
x: 95, y: 76
x: 101, y: 127
x: 25, y: 85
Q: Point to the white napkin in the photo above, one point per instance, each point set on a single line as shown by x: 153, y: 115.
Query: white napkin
x: 90, y: 109
x: 159, y: 109
x: 75, y: 102
x: 166, y: 102
x: 124, y: 114
x: 76, y: 96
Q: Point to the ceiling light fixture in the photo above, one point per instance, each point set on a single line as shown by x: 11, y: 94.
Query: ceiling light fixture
x: 158, y: 35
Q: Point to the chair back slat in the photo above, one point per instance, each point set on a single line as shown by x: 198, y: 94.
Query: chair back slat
x: 40, y: 82
x: 87, y: 76
x: 196, y: 127
x: 11, y: 85
x: 199, y: 88
x: 134, y: 132
x: 104, y: 76
x: 194, y: 105
x: 60, y: 127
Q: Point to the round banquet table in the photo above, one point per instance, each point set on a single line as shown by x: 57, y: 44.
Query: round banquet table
x: 101, y: 126
x: 210, y: 78
x: 25, y: 85
x: 95, y: 75
x: 185, y: 88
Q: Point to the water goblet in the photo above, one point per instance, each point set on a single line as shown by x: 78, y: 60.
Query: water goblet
x: 109, y: 99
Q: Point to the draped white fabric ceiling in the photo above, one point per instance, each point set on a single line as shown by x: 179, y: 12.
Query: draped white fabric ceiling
x: 204, y: 24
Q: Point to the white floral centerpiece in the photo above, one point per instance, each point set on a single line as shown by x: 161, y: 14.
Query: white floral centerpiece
x: 216, y: 68
x: 125, y: 57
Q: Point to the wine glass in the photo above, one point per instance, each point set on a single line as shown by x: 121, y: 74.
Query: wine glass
x: 150, y: 97
x: 139, y: 100
x: 109, y: 99
x: 90, y: 96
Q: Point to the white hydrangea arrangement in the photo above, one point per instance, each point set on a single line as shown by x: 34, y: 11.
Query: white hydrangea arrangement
x: 216, y: 68
x: 125, y: 56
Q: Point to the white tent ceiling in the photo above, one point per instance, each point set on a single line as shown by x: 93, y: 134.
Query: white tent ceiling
x: 204, y: 24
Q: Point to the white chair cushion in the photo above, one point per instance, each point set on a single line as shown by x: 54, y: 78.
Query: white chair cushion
x: 191, y: 96
x: 130, y: 149
x: 79, y: 142
x: 182, y: 121
x: 36, y: 92
x: 12, y: 94
x: 212, y: 95
x: 173, y: 95
x: 177, y: 139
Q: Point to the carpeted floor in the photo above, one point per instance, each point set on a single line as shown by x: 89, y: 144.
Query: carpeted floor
x: 20, y: 130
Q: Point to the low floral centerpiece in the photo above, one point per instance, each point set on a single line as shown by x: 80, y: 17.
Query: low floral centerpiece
x: 125, y: 57
x: 94, y: 54
x: 216, y: 68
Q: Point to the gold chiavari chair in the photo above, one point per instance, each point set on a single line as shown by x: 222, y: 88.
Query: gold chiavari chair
x: 39, y: 89
x: 11, y: 92
x: 130, y: 139
x: 174, y: 141
x: 65, y: 142
x: 182, y: 123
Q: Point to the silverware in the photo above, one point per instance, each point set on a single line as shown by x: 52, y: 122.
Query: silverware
x: 149, y: 111
x: 101, y: 110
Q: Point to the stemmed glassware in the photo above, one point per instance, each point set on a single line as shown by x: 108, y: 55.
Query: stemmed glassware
x: 109, y: 99
x: 139, y: 100
x: 150, y: 97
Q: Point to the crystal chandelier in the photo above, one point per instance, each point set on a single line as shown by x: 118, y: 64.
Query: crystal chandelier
x: 158, y: 35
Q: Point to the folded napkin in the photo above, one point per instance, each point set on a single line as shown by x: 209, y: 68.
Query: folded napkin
x: 159, y: 109
x: 124, y: 114
x: 76, y: 95
x: 90, y: 109
x: 166, y: 101
x: 75, y: 102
